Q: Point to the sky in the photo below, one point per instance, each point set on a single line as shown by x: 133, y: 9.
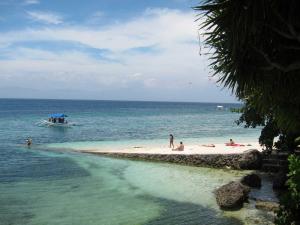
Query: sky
x: 105, y: 49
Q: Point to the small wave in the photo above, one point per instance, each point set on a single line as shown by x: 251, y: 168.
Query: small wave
x: 46, y: 123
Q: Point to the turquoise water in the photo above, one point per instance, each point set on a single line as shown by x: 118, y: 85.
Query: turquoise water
x: 40, y: 186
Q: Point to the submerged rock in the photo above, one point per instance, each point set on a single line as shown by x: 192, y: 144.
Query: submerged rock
x: 250, y: 160
x: 267, y: 205
x: 232, y: 195
x: 252, y: 180
x: 266, y: 220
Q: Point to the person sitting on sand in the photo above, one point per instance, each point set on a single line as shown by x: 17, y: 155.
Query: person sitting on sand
x: 171, y: 141
x: 210, y: 145
x: 232, y: 143
x: 179, y: 148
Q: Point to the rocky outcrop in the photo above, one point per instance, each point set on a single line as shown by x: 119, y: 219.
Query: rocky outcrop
x: 250, y: 160
x: 275, y: 162
x: 267, y: 205
x: 232, y: 195
x: 251, y: 180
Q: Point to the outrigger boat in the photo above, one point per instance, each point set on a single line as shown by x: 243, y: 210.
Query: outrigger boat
x: 57, y: 119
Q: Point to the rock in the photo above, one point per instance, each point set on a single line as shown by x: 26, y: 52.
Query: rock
x: 250, y: 160
x: 267, y: 220
x: 232, y: 195
x: 267, y: 205
x: 232, y: 161
x: 252, y: 180
x: 279, y: 181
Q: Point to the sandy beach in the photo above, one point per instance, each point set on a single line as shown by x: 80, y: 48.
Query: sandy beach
x: 189, y: 149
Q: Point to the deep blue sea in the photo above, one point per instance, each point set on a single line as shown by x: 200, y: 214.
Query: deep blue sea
x: 40, y: 185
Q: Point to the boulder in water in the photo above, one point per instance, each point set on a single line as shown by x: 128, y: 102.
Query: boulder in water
x: 250, y: 160
x: 232, y: 195
x: 252, y: 180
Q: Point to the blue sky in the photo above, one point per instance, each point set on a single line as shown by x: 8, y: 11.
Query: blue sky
x: 104, y: 49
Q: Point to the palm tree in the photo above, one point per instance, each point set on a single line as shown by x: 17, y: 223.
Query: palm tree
x: 256, y: 53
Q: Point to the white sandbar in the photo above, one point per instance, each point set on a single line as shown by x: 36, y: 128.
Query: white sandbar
x: 189, y: 149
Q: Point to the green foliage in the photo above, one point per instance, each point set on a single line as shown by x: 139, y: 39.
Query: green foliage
x: 256, y: 52
x: 290, y: 202
x: 236, y: 110
x: 286, y: 142
x: 250, y: 117
x: 268, y: 133
x: 297, y: 140
x: 255, y: 48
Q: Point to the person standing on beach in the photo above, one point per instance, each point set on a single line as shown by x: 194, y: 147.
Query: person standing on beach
x: 171, y: 141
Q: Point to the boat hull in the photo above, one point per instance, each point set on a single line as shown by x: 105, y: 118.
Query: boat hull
x: 51, y: 124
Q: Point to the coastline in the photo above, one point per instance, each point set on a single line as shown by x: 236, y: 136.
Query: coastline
x: 54, y: 165
x: 220, y: 156
x: 192, y: 149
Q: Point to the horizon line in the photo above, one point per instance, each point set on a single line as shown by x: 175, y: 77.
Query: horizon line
x: 116, y: 100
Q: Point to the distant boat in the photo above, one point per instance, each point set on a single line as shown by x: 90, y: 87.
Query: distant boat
x: 57, y: 120
x: 220, y: 107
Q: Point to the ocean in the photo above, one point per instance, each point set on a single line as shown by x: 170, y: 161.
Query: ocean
x: 43, y: 185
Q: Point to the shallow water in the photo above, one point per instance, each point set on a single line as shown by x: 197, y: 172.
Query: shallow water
x: 39, y: 186
x: 81, y: 189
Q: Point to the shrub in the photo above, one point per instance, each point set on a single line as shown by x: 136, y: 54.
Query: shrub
x: 289, y: 212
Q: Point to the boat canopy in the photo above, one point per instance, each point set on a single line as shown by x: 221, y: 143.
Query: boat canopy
x: 57, y: 115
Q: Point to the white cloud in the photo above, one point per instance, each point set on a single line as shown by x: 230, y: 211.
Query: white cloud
x: 171, y: 68
x: 31, y: 2
x: 45, y: 17
x: 165, y: 28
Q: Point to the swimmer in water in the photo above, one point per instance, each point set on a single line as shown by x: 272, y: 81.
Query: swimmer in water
x: 29, y: 142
